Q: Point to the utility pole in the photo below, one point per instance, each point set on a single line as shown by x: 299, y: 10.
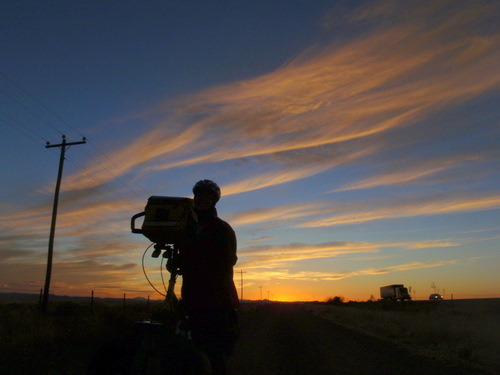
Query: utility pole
x: 260, y: 287
x: 241, y: 274
x: 63, y: 147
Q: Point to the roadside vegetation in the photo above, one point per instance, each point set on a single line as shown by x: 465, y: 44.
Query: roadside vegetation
x: 459, y: 331
x: 62, y: 340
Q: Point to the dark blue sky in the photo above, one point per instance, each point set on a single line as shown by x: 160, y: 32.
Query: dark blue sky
x: 356, y: 143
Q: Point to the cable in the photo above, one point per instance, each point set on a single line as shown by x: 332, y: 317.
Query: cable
x: 9, y: 118
x: 66, y: 123
x: 161, y: 274
x: 144, y: 270
x: 103, y: 184
x: 116, y: 167
x: 30, y: 111
x: 43, y: 105
x: 129, y: 182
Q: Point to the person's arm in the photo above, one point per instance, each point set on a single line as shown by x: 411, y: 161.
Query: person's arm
x: 228, y: 245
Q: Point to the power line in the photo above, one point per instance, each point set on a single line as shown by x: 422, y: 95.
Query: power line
x: 21, y: 131
x: 30, y: 111
x: 25, y: 132
x: 59, y: 118
x: 47, y: 108
x: 122, y: 173
x: 102, y: 183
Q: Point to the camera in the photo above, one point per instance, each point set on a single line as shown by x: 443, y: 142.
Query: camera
x: 167, y: 220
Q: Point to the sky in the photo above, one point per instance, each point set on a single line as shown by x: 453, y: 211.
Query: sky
x: 355, y: 142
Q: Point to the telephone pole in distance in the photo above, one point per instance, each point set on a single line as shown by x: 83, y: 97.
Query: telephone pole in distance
x: 63, y: 146
x: 241, y: 273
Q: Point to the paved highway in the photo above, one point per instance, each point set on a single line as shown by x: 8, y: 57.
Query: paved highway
x: 285, y: 339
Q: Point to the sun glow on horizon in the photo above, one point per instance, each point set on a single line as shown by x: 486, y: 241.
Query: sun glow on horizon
x: 363, y: 152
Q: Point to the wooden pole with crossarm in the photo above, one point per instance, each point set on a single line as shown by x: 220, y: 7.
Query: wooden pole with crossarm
x: 241, y: 274
x: 63, y: 146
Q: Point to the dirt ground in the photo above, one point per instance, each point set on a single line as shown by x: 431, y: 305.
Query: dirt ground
x: 285, y: 339
x: 276, y: 338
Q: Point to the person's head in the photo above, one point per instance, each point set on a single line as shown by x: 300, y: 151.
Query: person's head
x: 206, y: 194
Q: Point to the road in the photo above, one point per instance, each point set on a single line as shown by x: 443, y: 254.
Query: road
x: 285, y: 339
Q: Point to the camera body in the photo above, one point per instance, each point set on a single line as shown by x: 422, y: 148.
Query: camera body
x: 167, y: 220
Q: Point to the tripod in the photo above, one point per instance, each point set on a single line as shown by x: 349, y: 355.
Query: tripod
x: 159, y: 346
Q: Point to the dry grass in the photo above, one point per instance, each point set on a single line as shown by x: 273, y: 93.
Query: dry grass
x: 465, y: 331
x: 460, y: 331
x: 61, y: 341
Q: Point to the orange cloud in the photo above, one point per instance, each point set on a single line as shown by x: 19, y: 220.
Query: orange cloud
x: 419, y: 207
x: 401, y: 173
x: 390, y: 78
x: 276, y: 256
x: 276, y: 214
x: 283, y: 274
x: 331, y: 213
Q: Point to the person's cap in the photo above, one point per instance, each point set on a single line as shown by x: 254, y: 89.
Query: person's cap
x: 207, y: 186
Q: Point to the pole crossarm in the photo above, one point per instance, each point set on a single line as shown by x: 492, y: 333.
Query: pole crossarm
x: 66, y: 143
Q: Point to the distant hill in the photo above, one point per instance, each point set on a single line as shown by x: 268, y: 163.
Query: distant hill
x: 26, y: 297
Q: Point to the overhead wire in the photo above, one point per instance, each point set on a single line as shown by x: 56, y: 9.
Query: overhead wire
x: 35, y: 135
x: 67, y: 124
x: 102, y: 183
x: 72, y: 128
x: 121, y: 174
x: 48, y: 109
x: 30, y: 111
x: 25, y: 130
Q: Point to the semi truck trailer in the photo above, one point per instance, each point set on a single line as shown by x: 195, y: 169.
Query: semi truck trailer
x: 396, y: 292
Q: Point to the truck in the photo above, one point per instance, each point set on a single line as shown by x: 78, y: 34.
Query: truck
x: 395, y: 292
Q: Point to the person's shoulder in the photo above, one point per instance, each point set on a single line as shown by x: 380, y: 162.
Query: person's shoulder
x: 224, y: 224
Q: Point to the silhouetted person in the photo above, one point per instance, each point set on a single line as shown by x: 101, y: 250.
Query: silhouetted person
x: 209, y: 295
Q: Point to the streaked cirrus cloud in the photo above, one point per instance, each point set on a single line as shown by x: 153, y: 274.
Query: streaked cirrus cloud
x: 390, y: 78
x: 284, y: 274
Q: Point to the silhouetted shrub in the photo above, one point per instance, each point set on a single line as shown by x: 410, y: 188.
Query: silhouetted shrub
x: 337, y: 300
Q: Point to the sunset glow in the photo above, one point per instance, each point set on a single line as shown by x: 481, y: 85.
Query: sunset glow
x: 355, y: 146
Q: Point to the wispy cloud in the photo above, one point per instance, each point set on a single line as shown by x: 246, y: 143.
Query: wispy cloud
x: 389, y: 78
x: 284, y: 274
x: 270, y: 256
x: 260, y: 239
x: 279, y: 256
x: 275, y: 214
x: 75, y: 277
x: 331, y: 213
x: 398, y: 172
x: 411, y: 208
x: 358, y: 103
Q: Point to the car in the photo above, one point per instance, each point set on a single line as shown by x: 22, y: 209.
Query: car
x: 436, y: 297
